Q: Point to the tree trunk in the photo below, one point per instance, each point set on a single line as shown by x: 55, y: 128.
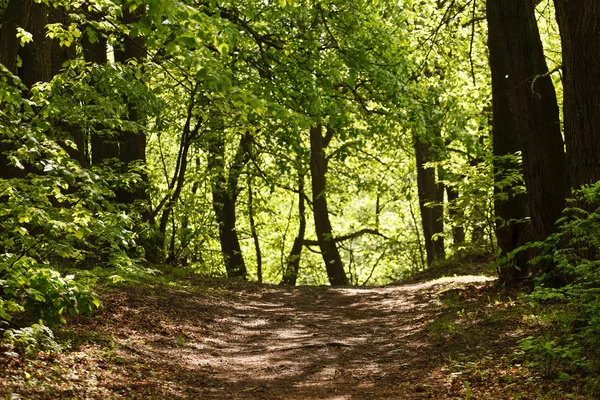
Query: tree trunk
x: 36, y: 55
x: 133, y: 143
x: 458, y: 231
x: 579, y: 24
x: 103, y: 147
x: 517, y: 62
x: 254, y: 231
x: 225, y: 191
x: 290, y: 275
x: 430, y: 191
x: 329, y: 250
x: 60, y: 55
x: 15, y: 15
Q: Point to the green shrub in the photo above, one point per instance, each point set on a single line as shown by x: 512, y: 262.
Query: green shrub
x: 33, y: 339
x: 570, y: 292
x: 43, y: 292
x: 57, y: 218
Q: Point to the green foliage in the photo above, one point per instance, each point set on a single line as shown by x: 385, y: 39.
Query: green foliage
x: 574, y: 338
x: 33, y: 339
x: 43, y: 292
x: 55, y: 216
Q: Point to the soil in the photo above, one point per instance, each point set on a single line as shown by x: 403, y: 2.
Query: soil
x: 222, y: 340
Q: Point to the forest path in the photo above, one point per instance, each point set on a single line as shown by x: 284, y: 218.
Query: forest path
x: 281, y: 343
x: 227, y: 340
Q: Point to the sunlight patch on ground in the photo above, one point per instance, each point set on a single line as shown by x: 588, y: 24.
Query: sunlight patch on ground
x: 448, y: 280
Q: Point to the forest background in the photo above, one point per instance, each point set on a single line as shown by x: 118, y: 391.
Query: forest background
x: 299, y: 142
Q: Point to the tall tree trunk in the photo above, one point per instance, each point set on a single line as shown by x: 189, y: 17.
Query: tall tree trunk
x: 15, y: 16
x: 103, y: 147
x: 517, y: 62
x: 579, y: 24
x: 318, y: 169
x: 430, y: 191
x: 290, y: 274
x: 253, y: 230
x: 60, y: 55
x: 36, y: 55
x: 225, y: 191
x: 133, y: 143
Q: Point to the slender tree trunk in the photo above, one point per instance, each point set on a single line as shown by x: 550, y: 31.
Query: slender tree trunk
x: 579, y: 24
x: 290, y: 275
x: 254, y: 231
x: 458, y: 231
x: 225, y: 191
x: 517, y: 62
x: 430, y: 191
x: 329, y: 250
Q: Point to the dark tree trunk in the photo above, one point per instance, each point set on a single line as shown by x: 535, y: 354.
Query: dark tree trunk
x: 36, y: 55
x: 60, y: 55
x: 290, y: 275
x: 15, y: 15
x: 329, y: 250
x: 430, y: 191
x: 225, y: 191
x: 133, y: 143
x: 103, y: 147
x: 579, y: 23
x: 517, y: 62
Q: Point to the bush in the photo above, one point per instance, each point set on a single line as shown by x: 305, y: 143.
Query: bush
x: 33, y: 339
x: 57, y: 218
x: 575, y: 303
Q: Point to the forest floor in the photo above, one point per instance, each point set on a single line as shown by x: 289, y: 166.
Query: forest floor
x: 450, y: 338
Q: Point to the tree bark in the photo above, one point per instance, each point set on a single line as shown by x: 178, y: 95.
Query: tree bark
x: 518, y: 65
x: 318, y: 169
x: 458, y: 231
x: 290, y: 275
x: 133, y: 143
x: 15, y: 16
x: 430, y: 191
x: 579, y: 24
x: 36, y: 55
x: 59, y: 55
x: 103, y: 147
x: 225, y: 191
x: 254, y: 231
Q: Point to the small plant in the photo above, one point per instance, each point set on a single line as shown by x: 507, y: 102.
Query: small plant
x: 43, y: 292
x: 33, y: 339
x: 468, y: 391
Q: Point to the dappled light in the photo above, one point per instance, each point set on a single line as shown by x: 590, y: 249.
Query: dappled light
x: 300, y: 199
x: 292, y: 343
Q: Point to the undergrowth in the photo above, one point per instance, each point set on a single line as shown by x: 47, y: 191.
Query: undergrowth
x: 568, y: 297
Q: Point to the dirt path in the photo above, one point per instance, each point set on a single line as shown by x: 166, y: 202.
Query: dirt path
x: 257, y: 343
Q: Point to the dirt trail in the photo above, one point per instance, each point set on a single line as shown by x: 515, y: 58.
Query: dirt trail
x: 261, y: 342
x: 281, y: 343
